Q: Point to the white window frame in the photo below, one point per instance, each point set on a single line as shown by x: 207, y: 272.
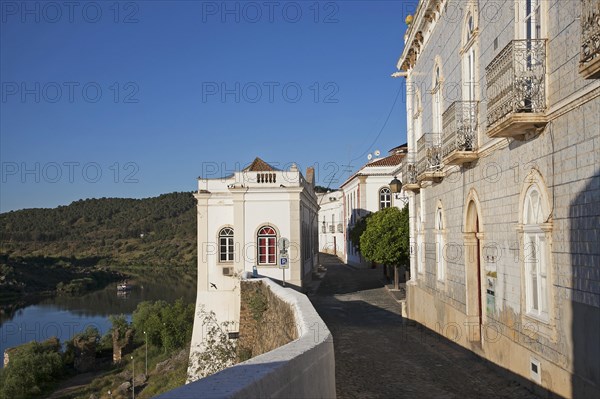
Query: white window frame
x: 226, y: 245
x: 437, y: 99
x: 264, y: 240
x: 385, y: 198
x: 420, y: 247
x: 440, y: 260
x: 535, y: 251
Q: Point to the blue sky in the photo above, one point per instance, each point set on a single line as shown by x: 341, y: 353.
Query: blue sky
x: 136, y: 99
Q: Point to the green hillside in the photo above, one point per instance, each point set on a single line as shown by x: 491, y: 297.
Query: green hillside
x: 159, y: 231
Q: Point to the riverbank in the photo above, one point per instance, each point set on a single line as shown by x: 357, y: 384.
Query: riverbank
x: 27, y: 280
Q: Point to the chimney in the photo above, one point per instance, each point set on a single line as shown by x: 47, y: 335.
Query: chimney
x: 310, y: 175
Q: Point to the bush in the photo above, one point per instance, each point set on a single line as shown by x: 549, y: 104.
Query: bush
x: 166, y: 326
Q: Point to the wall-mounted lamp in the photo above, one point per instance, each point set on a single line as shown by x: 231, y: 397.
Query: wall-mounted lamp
x: 395, y: 185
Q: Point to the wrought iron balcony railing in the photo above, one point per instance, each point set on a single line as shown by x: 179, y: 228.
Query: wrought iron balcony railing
x: 516, y: 88
x: 429, y: 153
x: 589, y: 62
x: 459, y: 138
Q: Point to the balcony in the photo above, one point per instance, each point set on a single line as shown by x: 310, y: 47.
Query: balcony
x: 589, y: 61
x: 459, y: 138
x: 429, y: 153
x: 409, y: 175
x: 516, y: 90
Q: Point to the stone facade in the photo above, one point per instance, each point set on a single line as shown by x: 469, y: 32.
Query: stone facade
x: 517, y: 283
x: 266, y: 322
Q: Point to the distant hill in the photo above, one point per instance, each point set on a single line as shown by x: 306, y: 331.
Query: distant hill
x: 151, y: 231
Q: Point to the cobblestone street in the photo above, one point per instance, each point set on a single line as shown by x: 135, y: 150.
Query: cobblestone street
x: 380, y: 355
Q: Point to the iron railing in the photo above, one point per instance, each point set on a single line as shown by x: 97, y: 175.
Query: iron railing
x: 460, y: 127
x: 516, y: 80
x: 429, y: 153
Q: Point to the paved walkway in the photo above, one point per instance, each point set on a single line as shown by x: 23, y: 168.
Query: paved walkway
x: 378, y: 354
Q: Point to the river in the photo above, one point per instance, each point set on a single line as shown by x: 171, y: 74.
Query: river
x: 65, y: 316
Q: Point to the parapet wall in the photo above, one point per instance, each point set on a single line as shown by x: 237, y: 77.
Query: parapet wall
x: 303, y: 368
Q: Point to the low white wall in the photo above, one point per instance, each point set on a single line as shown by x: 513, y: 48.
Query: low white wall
x: 304, y: 368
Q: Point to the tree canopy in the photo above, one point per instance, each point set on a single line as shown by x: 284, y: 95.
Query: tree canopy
x: 386, y: 237
x: 149, y: 231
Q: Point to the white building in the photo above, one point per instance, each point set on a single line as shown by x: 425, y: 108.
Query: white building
x: 331, y: 223
x: 241, y: 219
x: 503, y: 112
x: 368, y: 191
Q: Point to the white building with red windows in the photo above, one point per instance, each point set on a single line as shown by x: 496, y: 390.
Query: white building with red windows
x: 241, y: 219
x: 367, y: 191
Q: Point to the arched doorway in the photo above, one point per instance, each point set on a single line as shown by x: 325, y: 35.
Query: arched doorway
x: 473, y: 236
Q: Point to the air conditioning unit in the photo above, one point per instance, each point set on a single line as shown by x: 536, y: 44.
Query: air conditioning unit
x: 340, y: 228
x: 228, y: 271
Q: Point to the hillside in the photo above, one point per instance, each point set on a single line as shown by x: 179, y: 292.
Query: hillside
x: 159, y: 231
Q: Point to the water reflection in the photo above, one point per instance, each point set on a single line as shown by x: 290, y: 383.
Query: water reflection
x: 65, y: 316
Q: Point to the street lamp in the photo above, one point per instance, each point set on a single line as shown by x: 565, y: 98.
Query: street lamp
x: 133, y: 379
x: 395, y: 185
x: 146, y: 337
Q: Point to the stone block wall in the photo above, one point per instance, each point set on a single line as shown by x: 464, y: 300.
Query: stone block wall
x: 266, y: 322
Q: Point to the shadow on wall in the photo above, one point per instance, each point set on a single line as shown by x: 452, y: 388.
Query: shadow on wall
x: 408, y: 358
x: 584, y: 242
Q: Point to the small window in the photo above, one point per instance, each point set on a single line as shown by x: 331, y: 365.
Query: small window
x: 385, y: 198
x: 470, y: 27
x: 267, y: 245
x: 226, y: 245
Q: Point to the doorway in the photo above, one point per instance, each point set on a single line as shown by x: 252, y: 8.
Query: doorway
x: 473, y: 235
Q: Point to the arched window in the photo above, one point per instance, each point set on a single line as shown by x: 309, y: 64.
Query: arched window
x: 439, y: 245
x: 470, y: 28
x: 385, y: 198
x: 535, y: 253
x: 226, y: 245
x: 267, y: 246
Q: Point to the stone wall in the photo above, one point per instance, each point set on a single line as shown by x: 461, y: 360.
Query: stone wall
x: 266, y: 322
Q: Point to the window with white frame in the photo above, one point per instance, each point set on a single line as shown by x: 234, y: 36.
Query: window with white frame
x: 267, y: 246
x: 420, y: 247
x: 385, y: 198
x: 437, y: 105
x: 417, y: 119
x: 535, y: 255
x: 439, y: 245
x: 532, y: 19
x: 469, y: 60
x: 226, y: 245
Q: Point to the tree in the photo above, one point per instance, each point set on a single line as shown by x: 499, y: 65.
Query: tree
x: 386, y: 238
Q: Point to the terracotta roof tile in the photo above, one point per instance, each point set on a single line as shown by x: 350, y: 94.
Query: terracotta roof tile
x: 391, y: 160
x: 258, y: 165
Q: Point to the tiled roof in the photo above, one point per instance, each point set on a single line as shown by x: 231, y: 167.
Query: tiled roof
x: 258, y: 165
x: 391, y: 160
